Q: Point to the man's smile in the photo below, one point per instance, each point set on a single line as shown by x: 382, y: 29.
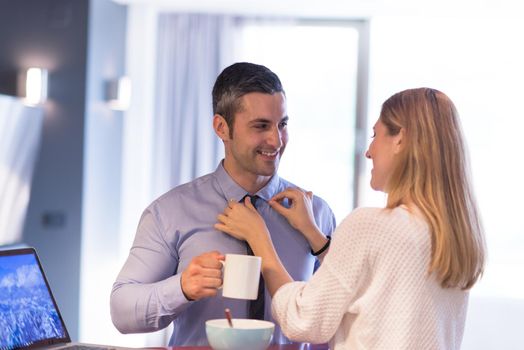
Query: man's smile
x: 270, y: 154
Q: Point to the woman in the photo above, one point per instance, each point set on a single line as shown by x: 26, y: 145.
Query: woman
x: 395, y: 277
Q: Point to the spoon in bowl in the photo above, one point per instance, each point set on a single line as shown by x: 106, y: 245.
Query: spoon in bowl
x: 228, y: 317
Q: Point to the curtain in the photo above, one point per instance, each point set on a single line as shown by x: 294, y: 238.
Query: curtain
x: 20, y: 129
x: 192, y: 50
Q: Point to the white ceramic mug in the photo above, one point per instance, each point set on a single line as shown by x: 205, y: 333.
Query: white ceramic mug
x: 241, y: 276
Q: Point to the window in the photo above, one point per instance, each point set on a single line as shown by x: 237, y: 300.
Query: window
x: 317, y: 65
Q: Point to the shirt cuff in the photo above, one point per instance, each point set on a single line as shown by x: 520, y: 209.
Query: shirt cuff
x: 171, y: 295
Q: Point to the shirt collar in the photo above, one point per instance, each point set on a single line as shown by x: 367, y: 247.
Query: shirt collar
x: 232, y: 190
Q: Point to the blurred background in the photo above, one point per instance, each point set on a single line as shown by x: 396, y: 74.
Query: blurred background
x: 122, y: 113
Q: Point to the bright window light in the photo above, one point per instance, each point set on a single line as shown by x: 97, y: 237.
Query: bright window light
x: 318, y: 68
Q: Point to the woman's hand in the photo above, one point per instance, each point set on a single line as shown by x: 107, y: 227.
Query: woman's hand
x: 242, y: 221
x: 300, y: 216
x: 300, y: 211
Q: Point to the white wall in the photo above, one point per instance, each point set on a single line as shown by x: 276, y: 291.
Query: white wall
x: 102, y: 171
x: 117, y: 183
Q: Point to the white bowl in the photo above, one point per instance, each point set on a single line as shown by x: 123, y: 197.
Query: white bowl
x: 245, y: 334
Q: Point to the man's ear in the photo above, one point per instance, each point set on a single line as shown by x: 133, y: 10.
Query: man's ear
x: 400, y: 141
x: 221, y: 127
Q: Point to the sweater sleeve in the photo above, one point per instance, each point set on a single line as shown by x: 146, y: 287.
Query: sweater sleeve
x: 312, y: 311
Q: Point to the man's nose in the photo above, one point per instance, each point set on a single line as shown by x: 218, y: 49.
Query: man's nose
x: 367, y: 154
x: 275, y: 138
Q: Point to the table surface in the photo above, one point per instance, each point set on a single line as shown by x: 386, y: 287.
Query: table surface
x: 272, y: 347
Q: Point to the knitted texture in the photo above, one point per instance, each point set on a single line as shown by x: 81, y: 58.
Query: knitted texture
x: 373, y: 290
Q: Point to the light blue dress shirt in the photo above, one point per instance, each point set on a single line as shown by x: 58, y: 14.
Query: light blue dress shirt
x: 178, y: 226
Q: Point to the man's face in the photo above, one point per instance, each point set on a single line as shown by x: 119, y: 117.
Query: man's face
x: 259, y: 137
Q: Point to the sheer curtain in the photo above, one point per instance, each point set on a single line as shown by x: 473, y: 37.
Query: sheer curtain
x: 192, y: 50
x: 20, y: 129
x: 168, y: 133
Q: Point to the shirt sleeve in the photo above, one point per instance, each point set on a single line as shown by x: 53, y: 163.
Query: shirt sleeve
x: 326, y: 222
x: 312, y: 311
x: 324, y: 216
x: 147, y: 294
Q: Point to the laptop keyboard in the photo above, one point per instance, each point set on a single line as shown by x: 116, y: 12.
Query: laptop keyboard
x: 86, y: 347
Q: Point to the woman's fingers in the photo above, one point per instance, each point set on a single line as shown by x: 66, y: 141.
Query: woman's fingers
x: 231, y: 203
x: 290, y: 193
x: 278, y: 207
x: 222, y: 218
x: 236, y: 219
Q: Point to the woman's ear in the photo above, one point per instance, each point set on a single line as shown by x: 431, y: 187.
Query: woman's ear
x: 399, y: 141
x: 221, y: 127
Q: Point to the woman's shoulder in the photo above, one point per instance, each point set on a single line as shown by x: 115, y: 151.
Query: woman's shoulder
x: 389, y: 233
x: 375, y: 220
x: 383, y: 214
x: 372, y: 214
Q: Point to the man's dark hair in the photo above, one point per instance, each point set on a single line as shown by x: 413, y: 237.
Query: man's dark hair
x: 238, y: 80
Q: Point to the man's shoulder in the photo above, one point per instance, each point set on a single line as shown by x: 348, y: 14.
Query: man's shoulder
x: 188, y: 190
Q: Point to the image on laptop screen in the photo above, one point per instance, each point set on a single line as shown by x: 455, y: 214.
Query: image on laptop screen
x: 28, y: 314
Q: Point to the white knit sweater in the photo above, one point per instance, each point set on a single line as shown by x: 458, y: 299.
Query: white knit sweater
x: 373, y: 290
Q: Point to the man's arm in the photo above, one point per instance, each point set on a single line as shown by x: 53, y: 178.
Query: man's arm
x: 147, y: 294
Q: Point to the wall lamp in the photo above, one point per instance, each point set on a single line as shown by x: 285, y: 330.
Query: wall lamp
x: 32, y: 86
x: 118, y: 93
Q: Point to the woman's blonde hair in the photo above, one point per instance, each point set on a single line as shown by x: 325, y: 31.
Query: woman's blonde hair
x: 432, y: 172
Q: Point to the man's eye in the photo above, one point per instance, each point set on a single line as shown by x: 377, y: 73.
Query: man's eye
x: 283, y: 124
x: 260, y: 126
x: 373, y: 136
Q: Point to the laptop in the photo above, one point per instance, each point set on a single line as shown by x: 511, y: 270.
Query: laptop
x: 29, y: 315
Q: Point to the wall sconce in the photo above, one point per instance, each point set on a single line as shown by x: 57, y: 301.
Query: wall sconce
x: 32, y: 86
x: 118, y: 93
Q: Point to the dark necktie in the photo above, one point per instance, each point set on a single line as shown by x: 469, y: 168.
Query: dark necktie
x: 256, y: 307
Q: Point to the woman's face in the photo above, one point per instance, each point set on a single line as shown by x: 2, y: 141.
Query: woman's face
x: 382, y: 151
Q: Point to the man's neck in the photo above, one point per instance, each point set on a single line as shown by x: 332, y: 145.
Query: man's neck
x: 253, y: 187
x: 250, y: 182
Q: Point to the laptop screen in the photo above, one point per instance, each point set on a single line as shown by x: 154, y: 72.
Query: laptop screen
x: 29, y: 316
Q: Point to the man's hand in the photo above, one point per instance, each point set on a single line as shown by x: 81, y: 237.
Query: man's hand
x: 202, y: 276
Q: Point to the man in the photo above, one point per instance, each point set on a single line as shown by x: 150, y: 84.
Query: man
x: 173, y: 270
